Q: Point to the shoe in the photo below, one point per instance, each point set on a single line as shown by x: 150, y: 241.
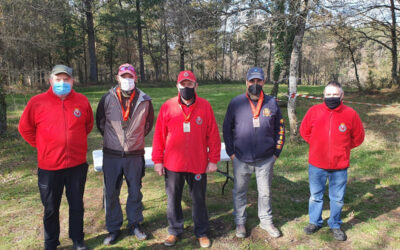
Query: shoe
x: 111, y: 238
x: 271, y: 229
x: 171, y: 240
x: 241, y: 231
x: 204, y: 242
x: 311, y: 228
x: 140, y: 235
x: 79, y: 245
x: 338, y: 234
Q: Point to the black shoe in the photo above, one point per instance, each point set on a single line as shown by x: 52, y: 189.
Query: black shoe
x: 135, y: 230
x: 338, y: 234
x: 79, y: 245
x: 311, y: 228
x: 111, y: 238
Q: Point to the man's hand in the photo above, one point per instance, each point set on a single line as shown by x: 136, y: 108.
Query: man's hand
x: 159, y: 168
x: 275, y: 157
x: 232, y: 157
x: 211, y: 167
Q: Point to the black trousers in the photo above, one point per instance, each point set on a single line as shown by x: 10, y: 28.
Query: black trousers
x: 174, y: 182
x: 51, y: 186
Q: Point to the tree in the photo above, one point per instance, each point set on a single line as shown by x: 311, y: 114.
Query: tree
x: 91, y: 40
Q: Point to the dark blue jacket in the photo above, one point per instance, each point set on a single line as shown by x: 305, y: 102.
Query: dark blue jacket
x: 251, y: 144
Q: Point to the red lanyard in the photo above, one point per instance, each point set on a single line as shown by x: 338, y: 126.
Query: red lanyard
x: 125, y: 113
x: 256, y: 111
x: 191, y: 108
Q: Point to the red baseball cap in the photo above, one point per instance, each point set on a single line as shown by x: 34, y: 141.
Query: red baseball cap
x: 126, y: 68
x: 186, y: 75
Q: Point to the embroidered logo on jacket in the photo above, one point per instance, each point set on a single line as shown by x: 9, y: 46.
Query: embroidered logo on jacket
x: 266, y: 112
x: 342, y: 127
x: 199, y: 121
x: 77, y: 112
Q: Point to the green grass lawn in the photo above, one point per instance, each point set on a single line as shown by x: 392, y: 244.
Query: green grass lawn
x: 371, y: 214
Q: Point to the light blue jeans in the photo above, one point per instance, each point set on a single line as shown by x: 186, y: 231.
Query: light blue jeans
x: 243, y: 172
x: 337, y: 188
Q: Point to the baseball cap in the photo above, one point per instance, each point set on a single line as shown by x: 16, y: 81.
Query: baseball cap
x: 59, y: 68
x: 255, y: 72
x: 126, y: 68
x: 186, y: 75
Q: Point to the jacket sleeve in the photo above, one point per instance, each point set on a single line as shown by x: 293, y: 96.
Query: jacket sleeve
x: 101, y: 115
x: 90, y: 119
x: 357, y: 133
x: 159, y: 138
x: 305, y: 127
x: 149, y: 119
x: 227, y: 129
x: 213, y: 139
x: 27, y: 124
x: 279, y: 132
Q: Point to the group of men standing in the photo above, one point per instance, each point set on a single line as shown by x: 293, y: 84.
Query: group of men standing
x: 186, y: 147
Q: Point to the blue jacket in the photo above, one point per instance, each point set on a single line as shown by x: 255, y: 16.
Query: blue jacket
x: 251, y: 144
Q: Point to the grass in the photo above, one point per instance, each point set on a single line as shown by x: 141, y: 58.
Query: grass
x: 371, y: 214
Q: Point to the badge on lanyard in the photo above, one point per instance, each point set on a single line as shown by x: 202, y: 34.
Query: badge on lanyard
x: 256, y: 122
x: 186, y: 127
x: 124, y: 124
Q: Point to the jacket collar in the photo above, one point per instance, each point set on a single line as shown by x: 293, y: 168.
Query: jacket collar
x: 337, y: 109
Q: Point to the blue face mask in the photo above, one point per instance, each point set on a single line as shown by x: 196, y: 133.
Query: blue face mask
x: 61, y: 88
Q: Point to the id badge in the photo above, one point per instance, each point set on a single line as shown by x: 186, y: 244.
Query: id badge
x: 186, y: 127
x: 256, y: 122
x: 124, y: 124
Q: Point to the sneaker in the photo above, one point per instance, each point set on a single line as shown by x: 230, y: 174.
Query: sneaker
x: 171, y: 240
x: 111, y: 238
x: 204, y: 242
x: 140, y: 235
x: 311, y: 228
x: 241, y: 231
x: 271, y: 229
x: 338, y: 234
x: 79, y: 245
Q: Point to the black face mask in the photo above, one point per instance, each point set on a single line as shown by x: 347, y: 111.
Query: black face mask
x: 332, y: 102
x: 255, y: 89
x: 187, y: 93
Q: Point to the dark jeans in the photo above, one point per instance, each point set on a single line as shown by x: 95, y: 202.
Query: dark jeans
x: 51, y: 186
x: 174, y: 182
x: 114, y: 168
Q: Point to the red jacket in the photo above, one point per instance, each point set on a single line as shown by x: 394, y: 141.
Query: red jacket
x: 186, y: 151
x: 57, y: 128
x: 331, y: 135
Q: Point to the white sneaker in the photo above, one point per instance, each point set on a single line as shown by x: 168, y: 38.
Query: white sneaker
x: 240, y: 231
x: 271, y: 229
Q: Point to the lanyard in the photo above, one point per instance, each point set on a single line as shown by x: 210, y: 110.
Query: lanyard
x: 125, y: 113
x: 191, y: 108
x: 256, y: 111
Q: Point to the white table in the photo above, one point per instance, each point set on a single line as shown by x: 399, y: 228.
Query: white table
x: 98, y: 162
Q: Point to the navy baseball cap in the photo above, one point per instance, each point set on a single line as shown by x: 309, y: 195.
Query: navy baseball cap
x: 255, y: 72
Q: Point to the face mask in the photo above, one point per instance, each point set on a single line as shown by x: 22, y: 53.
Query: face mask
x: 185, y: 92
x: 127, y: 84
x: 255, y: 89
x: 332, y: 102
x: 61, y: 88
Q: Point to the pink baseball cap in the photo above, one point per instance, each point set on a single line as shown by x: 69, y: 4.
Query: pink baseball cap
x: 127, y: 69
x: 186, y: 75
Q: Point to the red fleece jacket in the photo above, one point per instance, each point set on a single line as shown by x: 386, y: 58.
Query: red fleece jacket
x: 181, y: 151
x: 331, y: 135
x: 57, y: 128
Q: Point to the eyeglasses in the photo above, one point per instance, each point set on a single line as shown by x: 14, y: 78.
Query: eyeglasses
x: 123, y: 68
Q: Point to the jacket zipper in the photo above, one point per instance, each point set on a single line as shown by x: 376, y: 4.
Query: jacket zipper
x: 66, y: 134
x: 329, y: 140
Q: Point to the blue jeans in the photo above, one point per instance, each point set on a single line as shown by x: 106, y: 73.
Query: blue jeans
x: 337, y: 188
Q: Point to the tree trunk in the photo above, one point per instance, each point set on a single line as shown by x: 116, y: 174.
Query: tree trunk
x: 293, y: 71
x: 140, y: 41
x: 355, y: 68
x: 91, y: 41
x: 269, y: 60
x: 182, y: 54
x: 395, y: 78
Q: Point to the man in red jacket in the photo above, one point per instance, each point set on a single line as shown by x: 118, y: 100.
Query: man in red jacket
x: 57, y: 124
x: 332, y: 130
x: 186, y: 146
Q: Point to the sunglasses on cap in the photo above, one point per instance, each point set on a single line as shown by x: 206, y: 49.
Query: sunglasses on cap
x: 123, y: 68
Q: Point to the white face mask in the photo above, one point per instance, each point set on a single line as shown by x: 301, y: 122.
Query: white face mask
x: 127, y: 84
